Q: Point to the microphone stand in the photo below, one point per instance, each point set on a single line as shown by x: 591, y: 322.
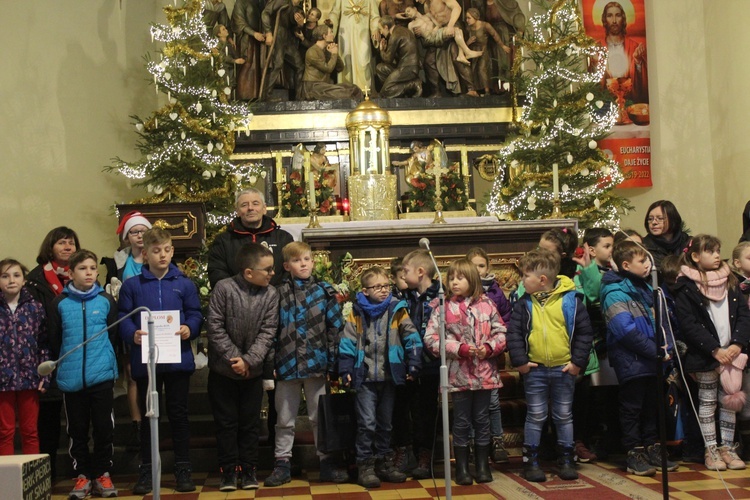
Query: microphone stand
x: 443, y: 385
x: 153, y: 413
x: 660, y: 356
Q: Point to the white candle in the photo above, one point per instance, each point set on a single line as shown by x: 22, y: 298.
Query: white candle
x: 169, y: 95
x: 311, y: 183
x: 157, y: 89
x: 154, y: 79
x: 156, y: 123
x: 152, y: 37
x: 226, y: 50
x: 212, y: 61
x: 529, y: 5
x: 555, y: 181
x: 571, y: 88
x: 184, y: 70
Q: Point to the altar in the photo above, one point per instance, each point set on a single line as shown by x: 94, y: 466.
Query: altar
x: 377, y: 242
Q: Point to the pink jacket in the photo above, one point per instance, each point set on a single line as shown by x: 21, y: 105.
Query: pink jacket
x: 473, y: 324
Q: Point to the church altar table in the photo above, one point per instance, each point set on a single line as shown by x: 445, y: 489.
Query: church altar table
x: 379, y: 241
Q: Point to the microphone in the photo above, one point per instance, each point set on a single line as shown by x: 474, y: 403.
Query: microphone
x: 424, y: 243
x: 47, y: 367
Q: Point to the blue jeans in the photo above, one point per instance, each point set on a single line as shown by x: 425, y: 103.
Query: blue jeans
x: 471, y: 410
x: 374, y: 408
x: 496, y: 416
x: 541, y: 384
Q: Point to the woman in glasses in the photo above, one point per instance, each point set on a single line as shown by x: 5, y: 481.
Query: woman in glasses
x: 127, y: 262
x: 665, y: 232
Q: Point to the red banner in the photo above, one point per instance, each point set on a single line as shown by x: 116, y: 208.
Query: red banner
x: 621, y: 27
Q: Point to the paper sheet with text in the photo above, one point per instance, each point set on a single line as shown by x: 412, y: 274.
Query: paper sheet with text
x: 168, y: 343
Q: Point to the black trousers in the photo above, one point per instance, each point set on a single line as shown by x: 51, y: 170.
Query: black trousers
x: 414, y: 413
x: 177, y: 387
x: 91, y: 408
x: 48, y: 427
x: 638, y: 412
x: 236, y: 407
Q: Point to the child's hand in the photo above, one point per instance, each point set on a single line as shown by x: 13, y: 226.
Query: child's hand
x: 481, y: 352
x: 524, y: 369
x: 240, y: 367
x: 726, y: 356
x: 183, y: 332
x: 41, y: 387
x: 583, y: 259
x: 346, y: 379
x: 572, y: 368
x: 137, y: 340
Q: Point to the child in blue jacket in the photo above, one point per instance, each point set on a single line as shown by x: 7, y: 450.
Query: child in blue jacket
x: 380, y: 348
x: 161, y: 286
x: 87, y: 375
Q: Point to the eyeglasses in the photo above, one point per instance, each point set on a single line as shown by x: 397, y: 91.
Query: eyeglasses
x: 136, y: 232
x: 378, y: 288
x: 267, y: 270
x: 656, y: 219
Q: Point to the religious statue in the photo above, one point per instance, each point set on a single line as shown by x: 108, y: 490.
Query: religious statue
x: 396, y: 9
x: 305, y: 33
x: 227, y: 51
x: 441, y: 51
x: 507, y: 19
x: 246, y: 26
x: 215, y: 12
x: 480, y: 32
x: 320, y: 61
x: 279, y: 20
x: 416, y: 163
x: 322, y: 168
x: 425, y: 24
x: 399, y: 71
x: 352, y: 23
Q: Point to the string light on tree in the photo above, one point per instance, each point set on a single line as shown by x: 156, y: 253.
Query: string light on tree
x: 565, y: 113
x: 186, y: 143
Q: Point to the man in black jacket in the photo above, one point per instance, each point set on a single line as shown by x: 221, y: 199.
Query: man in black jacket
x: 251, y: 225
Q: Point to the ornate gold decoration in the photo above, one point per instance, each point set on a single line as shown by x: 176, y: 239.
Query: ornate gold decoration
x: 355, y: 9
x: 373, y: 197
x: 161, y: 223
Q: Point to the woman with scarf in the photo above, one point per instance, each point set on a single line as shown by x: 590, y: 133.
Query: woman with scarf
x: 665, y: 233
x: 45, y: 282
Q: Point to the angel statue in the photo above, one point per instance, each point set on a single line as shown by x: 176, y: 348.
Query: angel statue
x: 416, y: 163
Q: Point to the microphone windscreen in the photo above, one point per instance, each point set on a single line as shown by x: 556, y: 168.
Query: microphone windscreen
x: 46, y: 368
x: 424, y: 243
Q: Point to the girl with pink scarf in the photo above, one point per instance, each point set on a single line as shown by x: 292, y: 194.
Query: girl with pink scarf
x: 715, y: 322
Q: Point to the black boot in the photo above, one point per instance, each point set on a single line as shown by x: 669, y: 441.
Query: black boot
x: 387, y: 472
x: 366, y: 476
x: 183, y: 477
x: 531, y: 469
x: 463, y: 477
x: 143, y: 485
x: 566, y: 463
x: 481, y: 464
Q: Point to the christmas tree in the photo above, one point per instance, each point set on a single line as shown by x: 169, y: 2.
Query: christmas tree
x: 554, y: 155
x: 186, y: 143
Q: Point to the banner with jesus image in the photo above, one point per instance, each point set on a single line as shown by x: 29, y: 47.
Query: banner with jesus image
x: 620, y: 27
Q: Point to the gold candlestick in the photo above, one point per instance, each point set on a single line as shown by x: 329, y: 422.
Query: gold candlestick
x: 313, y: 224
x: 556, y: 210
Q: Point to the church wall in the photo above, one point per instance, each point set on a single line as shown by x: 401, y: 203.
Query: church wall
x: 728, y: 72
x: 73, y: 73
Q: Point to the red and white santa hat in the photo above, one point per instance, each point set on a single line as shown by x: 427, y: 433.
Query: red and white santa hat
x: 129, y: 220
